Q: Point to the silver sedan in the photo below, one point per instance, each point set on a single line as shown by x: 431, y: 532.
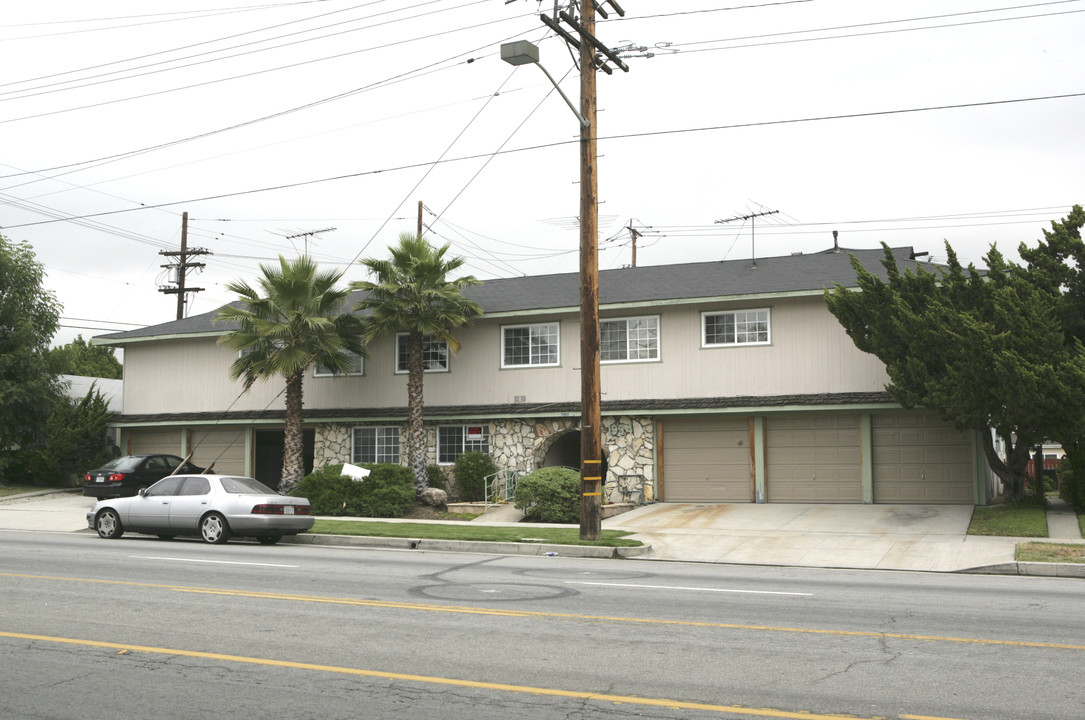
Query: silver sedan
x: 214, y: 507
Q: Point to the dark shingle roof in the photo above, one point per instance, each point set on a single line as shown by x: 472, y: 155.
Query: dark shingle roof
x: 808, y: 273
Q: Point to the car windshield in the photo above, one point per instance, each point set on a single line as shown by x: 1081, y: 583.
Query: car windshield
x: 246, y: 486
x: 126, y: 463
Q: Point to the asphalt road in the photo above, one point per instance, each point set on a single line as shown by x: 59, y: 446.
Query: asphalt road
x: 141, y: 628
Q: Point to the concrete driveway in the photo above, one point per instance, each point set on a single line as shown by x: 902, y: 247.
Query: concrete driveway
x: 897, y: 537
x: 886, y: 537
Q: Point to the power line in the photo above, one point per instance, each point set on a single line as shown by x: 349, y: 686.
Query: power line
x: 560, y: 143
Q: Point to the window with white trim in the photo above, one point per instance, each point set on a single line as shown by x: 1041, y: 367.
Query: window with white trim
x: 530, y: 345
x: 455, y: 440
x: 355, y: 368
x: 629, y: 339
x: 434, y: 354
x: 735, y: 327
x: 375, y: 445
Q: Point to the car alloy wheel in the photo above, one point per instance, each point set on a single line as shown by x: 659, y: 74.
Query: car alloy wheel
x: 108, y: 524
x: 213, y: 529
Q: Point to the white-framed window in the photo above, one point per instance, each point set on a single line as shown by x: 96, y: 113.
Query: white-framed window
x: 375, y: 445
x: 356, y: 367
x: 629, y: 339
x: 434, y: 354
x: 530, y: 345
x: 735, y: 327
x: 455, y: 440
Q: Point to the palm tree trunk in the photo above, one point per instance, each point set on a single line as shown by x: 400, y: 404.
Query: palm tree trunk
x: 416, y: 431
x: 293, y: 459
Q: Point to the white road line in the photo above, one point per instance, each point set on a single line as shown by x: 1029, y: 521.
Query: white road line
x: 216, y: 562
x: 701, y: 589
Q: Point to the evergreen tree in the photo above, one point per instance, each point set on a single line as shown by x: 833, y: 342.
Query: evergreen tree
x: 29, y: 316
x: 983, y: 350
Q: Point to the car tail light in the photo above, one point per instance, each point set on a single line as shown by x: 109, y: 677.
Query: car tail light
x: 88, y: 478
x: 115, y: 477
x: 275, y: 509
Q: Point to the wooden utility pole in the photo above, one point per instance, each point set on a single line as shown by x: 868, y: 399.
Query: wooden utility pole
x: 182, y: 267
x: 593, y: 54
x: 419, y: 218
x: 591, y: 467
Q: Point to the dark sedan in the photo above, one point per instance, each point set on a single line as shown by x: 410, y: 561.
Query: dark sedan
x: 129, y: 474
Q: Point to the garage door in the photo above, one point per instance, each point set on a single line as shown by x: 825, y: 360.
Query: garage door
x: 919, y: 458
x: 813, y: 458
x: 144, y: 442
x: 225, y: 448
x: 707, y: 460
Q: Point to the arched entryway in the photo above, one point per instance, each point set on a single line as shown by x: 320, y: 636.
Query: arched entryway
x: 561, y: 450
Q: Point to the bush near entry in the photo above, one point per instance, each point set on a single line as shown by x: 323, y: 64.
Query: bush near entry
x: 470, y: 472
x: 388, y: 491
x: 550, y: 495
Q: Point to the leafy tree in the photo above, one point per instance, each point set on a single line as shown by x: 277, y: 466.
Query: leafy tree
x: 411, y: 293
x: 79, y: 358
x: 29, y: 316
x: 973, y: 347
x: 298, y: 320
x: 76, y: 440
x: 1056, y: 266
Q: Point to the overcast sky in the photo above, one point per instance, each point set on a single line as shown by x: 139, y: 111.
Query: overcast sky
x: 909, y: 123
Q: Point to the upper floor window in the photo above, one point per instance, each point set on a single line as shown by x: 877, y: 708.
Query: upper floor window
x: 375, y: 445
x: 355, y: 367
x: 530, y: 345
x: 737, y: 327
x: 434, y: 354
x: 455, y: 440
x: 629, y: 339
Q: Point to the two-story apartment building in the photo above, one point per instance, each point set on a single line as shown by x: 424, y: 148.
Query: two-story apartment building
x: 721, y: 382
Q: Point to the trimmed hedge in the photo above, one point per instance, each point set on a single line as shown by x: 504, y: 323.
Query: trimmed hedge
x: 550, y: 495
x: 387, y: 492
x: 470, y: 472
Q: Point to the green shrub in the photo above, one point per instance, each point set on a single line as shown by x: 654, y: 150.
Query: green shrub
x: 387, y: 492
x: 471, y: 470
x: 550, y: 495
x: 1065, y: 478
x: 436, y: 477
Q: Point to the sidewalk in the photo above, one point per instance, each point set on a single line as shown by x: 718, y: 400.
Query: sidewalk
x: 930, y: 538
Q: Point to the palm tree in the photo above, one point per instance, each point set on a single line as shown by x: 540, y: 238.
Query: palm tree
x: 295, y: 319
x: 412, y: 293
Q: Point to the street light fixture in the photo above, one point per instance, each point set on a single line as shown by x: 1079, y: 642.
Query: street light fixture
x: 524, y: 52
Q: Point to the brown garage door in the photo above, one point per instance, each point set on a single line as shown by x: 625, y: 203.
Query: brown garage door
x: 707, y: 460
x: 813, y: 458
x: 918, y: 458
x: 144, y: 442
x: 223, y: 447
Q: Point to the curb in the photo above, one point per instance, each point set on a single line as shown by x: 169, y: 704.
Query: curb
x: 1035, y: 569
x: 473, y: 546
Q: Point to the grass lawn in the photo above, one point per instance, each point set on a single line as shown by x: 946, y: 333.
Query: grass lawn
x: 1010, y: 520
x: 6, y: 490
x: 1050, y: 552
x: 465, y: 531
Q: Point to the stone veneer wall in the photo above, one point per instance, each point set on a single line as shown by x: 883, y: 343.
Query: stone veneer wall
x: 521, y: 444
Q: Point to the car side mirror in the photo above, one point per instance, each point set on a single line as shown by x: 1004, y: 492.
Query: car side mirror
x: 142, y: 492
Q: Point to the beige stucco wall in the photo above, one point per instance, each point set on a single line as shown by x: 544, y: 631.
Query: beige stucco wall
x: 810, y: 353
